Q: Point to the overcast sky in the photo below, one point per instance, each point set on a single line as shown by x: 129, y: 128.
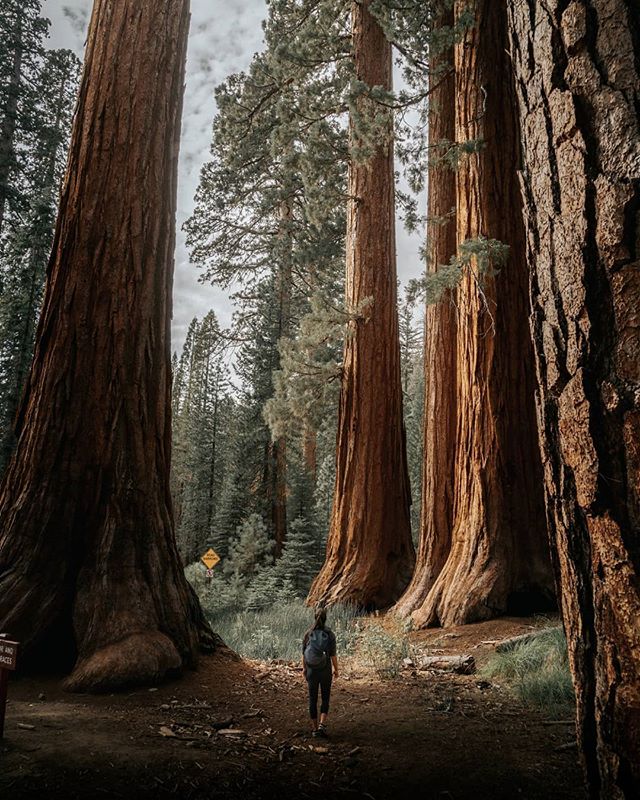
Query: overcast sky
x: 224, y: 36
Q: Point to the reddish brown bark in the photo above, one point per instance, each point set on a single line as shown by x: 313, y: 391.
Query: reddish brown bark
x: 88, y: 560
x: 499, y: 559
x: 579, y: 89
x: 439, y: 425
x: 370, y: 554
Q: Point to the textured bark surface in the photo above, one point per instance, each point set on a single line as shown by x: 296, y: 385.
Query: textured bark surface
x: 499, y: 560
x: 579, y: 91
x: 439, y: 424
x: 88, y: 563
x: 370, y: 554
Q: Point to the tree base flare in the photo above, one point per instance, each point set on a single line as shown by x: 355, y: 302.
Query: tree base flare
x: 140, y: 658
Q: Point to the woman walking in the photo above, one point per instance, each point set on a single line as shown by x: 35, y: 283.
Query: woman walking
x: 320, y: 666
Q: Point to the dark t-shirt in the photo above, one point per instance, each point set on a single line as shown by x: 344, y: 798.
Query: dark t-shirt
x: 332, y: 642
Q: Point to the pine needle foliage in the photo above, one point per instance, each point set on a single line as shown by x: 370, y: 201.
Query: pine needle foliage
x: 37, y: 96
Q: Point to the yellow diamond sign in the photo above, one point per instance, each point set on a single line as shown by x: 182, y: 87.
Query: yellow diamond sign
x: 210, y: 558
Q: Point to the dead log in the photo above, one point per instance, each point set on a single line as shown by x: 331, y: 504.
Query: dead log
x: 462, y: 665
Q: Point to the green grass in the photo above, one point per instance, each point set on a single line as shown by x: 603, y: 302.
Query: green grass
x: 537, y: 671
x: 276, y: 632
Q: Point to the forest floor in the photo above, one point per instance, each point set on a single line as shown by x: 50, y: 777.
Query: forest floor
x: 423, y: 735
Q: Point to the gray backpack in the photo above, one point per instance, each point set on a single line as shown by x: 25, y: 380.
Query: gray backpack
x: 316, y: 651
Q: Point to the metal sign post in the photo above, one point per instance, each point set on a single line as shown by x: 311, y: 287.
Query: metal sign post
x: 8, y: 661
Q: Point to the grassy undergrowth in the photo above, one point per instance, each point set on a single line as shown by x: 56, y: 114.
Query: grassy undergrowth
x: 276, y: 632
x: 537, y: 671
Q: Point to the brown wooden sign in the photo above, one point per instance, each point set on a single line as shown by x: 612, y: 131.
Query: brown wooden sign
x: 8, y: 654
x: 8, y: 661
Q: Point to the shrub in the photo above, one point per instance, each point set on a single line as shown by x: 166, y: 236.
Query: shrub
x: 382, y: 651
x: 536, y: 670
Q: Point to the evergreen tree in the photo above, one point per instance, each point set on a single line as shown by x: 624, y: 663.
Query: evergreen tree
x: 250, y: 550
x: 22, y: 34
x: 411, y: 339
x: 413, y: 416
x: 201, y: 429
x: 269, y: 216
x: 25, y: 247
x: 300, y: 560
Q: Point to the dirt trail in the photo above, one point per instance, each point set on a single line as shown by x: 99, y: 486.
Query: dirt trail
x: 426, y: 735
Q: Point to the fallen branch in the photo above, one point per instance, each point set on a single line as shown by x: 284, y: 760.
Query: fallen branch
x: 462, y: 665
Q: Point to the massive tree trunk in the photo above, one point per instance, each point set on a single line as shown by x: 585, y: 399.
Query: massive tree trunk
x: 88, y: 562
x: 579, y: 90
x: 499, y: 560
x: 370, y: 554
x: 439, y: 423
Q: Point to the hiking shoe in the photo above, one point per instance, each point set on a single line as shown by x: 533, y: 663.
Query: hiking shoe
x: 322, y: 733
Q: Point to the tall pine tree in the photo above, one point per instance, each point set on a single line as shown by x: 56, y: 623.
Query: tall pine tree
x: 26, y: 243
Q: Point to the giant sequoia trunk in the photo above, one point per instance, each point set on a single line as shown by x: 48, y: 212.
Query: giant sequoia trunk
x: 579, y: 90
x: 369, y: 551
x: 439, y: 424
x: 499, y: 560
x: 88, y: 562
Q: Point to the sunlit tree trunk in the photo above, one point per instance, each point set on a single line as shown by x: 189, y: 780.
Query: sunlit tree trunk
x: 579, y: 90
x: 370, y: 554
x: 499, y: 560
x: 439, y: 425
x: 89, y: 568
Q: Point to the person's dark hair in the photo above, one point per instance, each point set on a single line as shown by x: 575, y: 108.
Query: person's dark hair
x: 320, y: 619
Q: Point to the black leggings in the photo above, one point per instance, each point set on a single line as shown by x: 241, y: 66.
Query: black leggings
x: 319, y: 678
